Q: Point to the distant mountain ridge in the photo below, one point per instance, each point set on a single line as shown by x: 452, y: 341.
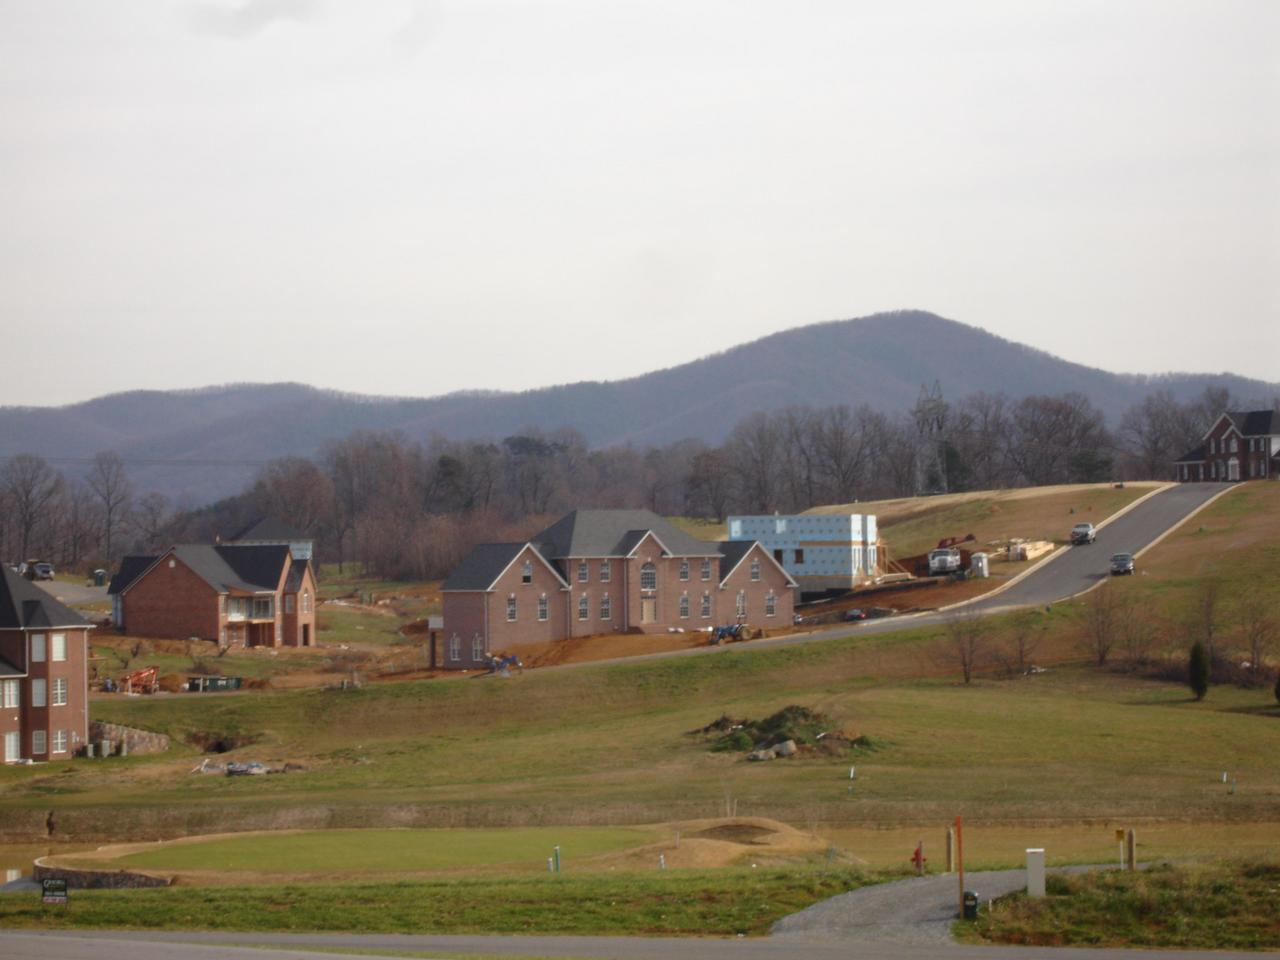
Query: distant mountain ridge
x: 880, y: 360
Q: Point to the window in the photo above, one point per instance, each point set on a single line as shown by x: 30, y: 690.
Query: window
x: 606, y: 608
x: 684, y: 569
x: 755, y: 568
x: 706, y: 606
x: 648, y: 577
x: 477, y: 648
x: 526, y: 574
x: 288, y: 604
x: 1235, y: 445
x: 38, y: 693
x: 455, y: 647
x: 306, y: 601
x: 799, y: 556
x: 605, y: 572
x: 542, y: 607
x: 742, y: 603
x: 584, y: 575
x: 58, y: 646
x: 60, y: 692
x: 37, y: 648
x: 706, y: 569
x: 770, y: 604
x: 59, y: 741
x: 10, y: 694
x: 777, y: 555
x: 262, y: 608
x: 511, y: 608
x: 584, y: 607
x: 684, y: 606
x: 39, y: 742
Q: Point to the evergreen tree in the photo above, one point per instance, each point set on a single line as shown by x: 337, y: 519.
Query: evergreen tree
x: 1198, y: 670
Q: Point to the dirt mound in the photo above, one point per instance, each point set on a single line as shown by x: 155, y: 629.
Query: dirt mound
x: 753, y: 834
x: 797, y: 723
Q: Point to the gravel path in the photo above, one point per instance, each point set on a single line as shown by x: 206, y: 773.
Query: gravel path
x: 916, y: 911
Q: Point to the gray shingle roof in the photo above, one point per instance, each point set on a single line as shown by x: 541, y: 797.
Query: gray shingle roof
x: 7, y: 669
x: 296, y: 572
x: 614, y: 533
x: 1255, y: 423
x: 1192, y: 456
x: 131, y: 567
x: 249, y: 569
x: 24, y: 605
x: 269, y: 529
x: 731, y: 554
x: 481, y: 566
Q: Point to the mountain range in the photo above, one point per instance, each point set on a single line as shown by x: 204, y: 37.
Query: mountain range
x: 198, y: 445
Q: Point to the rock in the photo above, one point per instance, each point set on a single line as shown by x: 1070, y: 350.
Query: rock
x: 785, y: 749
x: 765, y: 754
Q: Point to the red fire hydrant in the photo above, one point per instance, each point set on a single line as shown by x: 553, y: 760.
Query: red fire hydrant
x: 918, y: 859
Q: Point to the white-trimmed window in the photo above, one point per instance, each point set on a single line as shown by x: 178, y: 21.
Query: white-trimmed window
x: 1235, y: 445
x: 706, y: 569
x: 584, y: 607
x: 606, y: 608
x: 684, y: 606
x: 584, y: 572
x: 59, y: 741
x: 37, y: 648
x: 742, y: 603
x: 306, y: 601
x: 542, y: 607
x: 39, y: 742
x: 606, y: 572
x: 39, y: 693
x: 455, y: 647
x: 706, y: 606
x: 526, y: 573
x: 684, y: 569
x: 57, y: 646
x: 770, y: 604
x: 263, y: 608
x: 477, y: 648
x: 59, y: 692
x: 755, y: 568
x: 648, y: 577
x: 10, y: 694
x: 511, y: 608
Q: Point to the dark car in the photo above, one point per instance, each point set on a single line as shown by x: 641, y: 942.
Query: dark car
x: 855, y: 614
x: 1121, y: 563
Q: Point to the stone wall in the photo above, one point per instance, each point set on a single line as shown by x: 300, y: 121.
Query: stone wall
x: 96, y: 879
x: 139, y: 741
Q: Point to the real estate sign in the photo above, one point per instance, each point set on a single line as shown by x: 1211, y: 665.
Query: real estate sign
x: 53, y: 890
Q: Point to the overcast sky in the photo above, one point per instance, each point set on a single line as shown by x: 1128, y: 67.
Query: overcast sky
x: 418, y: 197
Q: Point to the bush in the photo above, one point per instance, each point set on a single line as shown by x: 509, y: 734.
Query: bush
x: 1198, y: 670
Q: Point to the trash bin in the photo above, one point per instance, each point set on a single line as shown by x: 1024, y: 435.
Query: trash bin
x: 970, y: 905
x: 99, y: 578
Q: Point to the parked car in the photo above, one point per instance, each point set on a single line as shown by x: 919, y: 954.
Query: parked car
x: 43, y: 571
x: 944, y: 560
x: 1083, y: 533
x: 1121, y: 563
x: 855, y: 614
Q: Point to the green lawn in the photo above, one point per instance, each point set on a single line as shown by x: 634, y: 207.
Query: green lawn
x: 668, y: 903
x: 373, y: 851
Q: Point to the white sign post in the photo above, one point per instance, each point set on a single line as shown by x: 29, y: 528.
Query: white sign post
x: 1035, y: 872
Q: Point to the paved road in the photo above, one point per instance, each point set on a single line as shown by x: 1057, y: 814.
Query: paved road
x: 91, y: 945
x: 1070, y: 570
x: 72, y: 593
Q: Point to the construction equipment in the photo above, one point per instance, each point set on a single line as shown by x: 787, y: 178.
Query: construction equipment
x: 501, y: 664
x: 726, y: 633
x: 146, y: 680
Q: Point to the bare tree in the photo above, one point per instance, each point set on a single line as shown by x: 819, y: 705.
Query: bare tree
x: 1256, y: 623
x: 1104, y: 613
x: 1204, y: 616
x: 31, y: 485
x: 1025, y: 635
x: 110, y: 484
x: 966, y: 640
x: 149, y: 519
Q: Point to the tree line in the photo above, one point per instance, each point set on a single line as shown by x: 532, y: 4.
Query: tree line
x: 406, y: 509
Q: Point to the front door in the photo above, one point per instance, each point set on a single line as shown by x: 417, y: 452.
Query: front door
x: 649, y: 610
x: 12, y: 747
x: 1233, y: 469
x: 306, y: 634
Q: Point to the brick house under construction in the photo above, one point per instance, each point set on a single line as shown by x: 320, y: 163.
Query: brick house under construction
x: 606, y: 571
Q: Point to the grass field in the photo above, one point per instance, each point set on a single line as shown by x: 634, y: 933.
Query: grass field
x: 1221, y: 906
x: 720, y: 903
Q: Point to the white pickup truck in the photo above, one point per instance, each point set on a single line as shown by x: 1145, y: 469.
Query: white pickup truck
x: 944, y: 560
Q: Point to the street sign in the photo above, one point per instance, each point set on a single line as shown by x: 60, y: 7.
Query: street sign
x: 53, y: 890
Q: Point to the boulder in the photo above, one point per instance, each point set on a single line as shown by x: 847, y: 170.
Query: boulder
x: 785, y: 749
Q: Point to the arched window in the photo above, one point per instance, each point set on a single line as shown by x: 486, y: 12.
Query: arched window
x: 684, y: 607
x: 770, y: 604
x: 511, y: 608
x: 583, y: 573
x: 455, y: 647
x: 477, y: 648
x: 542, y: 607
x: 684, y: 569
x: 584, y: 607
x: 706, y: 606
x: 606, y: 608
x: 648, y: 577
x: 742, y: 603
x: 706, y: 569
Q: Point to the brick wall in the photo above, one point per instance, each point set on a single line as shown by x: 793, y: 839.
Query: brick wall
x: 171, y: 601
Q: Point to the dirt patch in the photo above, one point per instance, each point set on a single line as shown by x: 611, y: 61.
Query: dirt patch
x: 208, y: 742
x: 753, y: 834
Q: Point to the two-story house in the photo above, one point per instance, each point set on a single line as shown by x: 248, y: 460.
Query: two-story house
x: 1241, y: 445
x: 606, y: 571
x: 44, y: 679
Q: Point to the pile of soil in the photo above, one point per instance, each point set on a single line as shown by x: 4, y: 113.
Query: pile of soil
x: 808, y: 729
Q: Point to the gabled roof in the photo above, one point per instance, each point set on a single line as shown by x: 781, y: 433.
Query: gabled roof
x: 243, y: 568
x: 131, y: 568
x: 269, y: 529
x: 23, y: 605
x: 1255, y: 423
x: 296, y: 572
x: 488, y: 561
x: 1194, y: 456
x: 614, y: 533
x: 732, y: 553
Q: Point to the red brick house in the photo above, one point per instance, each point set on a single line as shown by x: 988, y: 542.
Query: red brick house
x: 1241, y: 445
x: 44, y: 677
x: 606, y: 571
x: 237, y: 594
